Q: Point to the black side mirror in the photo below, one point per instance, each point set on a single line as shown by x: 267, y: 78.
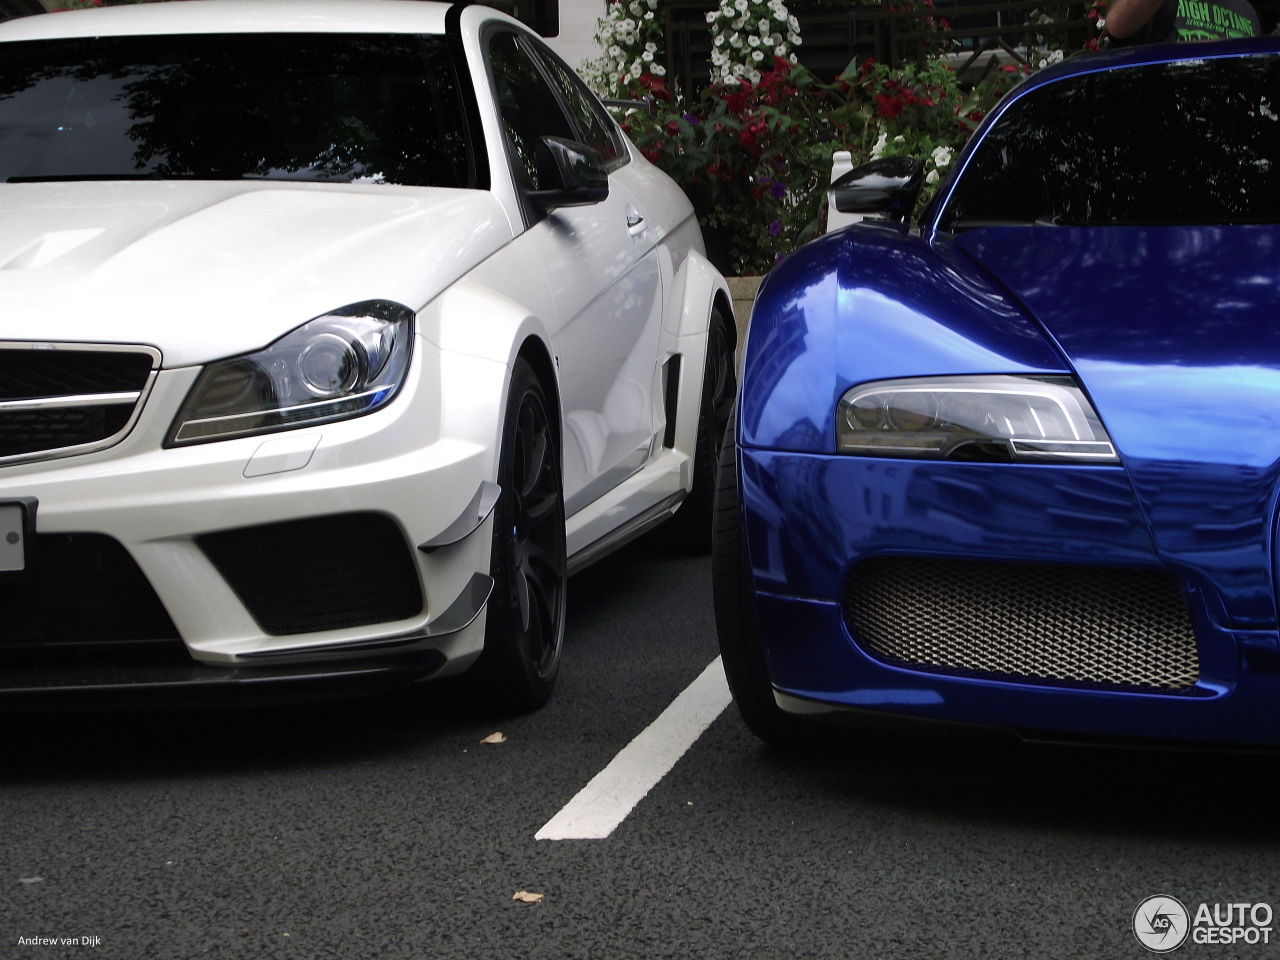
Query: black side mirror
x: 887, y: 187
x: 573, y: 173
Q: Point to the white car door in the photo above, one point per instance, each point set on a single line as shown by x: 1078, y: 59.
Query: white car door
x: 604, y: 275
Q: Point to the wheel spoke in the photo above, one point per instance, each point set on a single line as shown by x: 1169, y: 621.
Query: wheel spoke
x: 522, y: 594
x: 535, y: 465
x: 539, y: 510
x: 535, y: 556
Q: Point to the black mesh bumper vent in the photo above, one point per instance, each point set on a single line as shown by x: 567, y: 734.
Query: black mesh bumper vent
x: 102, y: 387
x: 1125, y: 629
x: 84, y: 589
x: 321, y: 573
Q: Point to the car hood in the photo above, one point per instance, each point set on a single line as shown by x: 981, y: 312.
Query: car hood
x: 204, y: 270
x: 1174, y: 333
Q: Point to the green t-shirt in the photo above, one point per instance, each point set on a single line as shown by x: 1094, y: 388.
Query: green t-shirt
x: 1197, y: 20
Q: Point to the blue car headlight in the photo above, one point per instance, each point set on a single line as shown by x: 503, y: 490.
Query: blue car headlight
x: 985, y: 418
x: 343, y: 364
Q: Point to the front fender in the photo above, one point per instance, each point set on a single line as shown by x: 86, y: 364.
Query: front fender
x: 697, y: 288
x: 873, y: 302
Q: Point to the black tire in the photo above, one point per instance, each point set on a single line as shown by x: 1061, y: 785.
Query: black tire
x: 524, y: 634
x: 736, y: 623
x: 691, y: 526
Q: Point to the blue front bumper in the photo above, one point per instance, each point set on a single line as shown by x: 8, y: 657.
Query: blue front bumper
x: 810, y: 518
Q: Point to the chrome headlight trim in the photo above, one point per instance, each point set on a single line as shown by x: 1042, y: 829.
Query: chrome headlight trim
x: 991, y: 418
x: 343, y: 364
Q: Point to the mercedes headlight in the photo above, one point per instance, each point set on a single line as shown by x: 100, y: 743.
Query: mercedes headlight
x: 340, y: 365
x: 987, y: 418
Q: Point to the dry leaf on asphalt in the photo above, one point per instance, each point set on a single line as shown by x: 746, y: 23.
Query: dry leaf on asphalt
x: 524, y: 896
x: 495, y: 738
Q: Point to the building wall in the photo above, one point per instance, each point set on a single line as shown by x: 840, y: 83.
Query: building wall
x: 576, y: 40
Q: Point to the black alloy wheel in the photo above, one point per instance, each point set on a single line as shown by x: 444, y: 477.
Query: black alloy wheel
x: 525, y: 629
x: 691, y: 525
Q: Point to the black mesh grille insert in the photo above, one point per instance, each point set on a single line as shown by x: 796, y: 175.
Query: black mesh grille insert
x: 30, y: 431
x: 83, y: 588
x: 28, y: 374
x: 321, y: 573
x: 48, y: 374
x: 1126, y: 629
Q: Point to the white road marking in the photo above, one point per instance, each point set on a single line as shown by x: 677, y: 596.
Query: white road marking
x: 613, y: 793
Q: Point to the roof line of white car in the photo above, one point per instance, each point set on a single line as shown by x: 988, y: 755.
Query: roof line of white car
x: 234, y: 16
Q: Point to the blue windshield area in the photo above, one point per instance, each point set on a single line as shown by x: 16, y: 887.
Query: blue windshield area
x: 1190, y: 142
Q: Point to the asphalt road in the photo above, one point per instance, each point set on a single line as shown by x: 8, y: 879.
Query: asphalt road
x: 385, y: 828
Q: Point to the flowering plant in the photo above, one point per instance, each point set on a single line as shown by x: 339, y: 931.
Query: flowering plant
x: 755, y: 157
x: 630, y: 34
x: 747, y: 36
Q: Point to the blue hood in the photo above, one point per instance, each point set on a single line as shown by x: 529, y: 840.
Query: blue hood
x: 1175, y: 334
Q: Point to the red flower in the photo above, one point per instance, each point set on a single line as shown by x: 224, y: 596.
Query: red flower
x: 888, y: 107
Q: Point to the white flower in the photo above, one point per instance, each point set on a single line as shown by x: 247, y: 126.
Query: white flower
x: 931, y: 176
x: 711, y: 17
x: 637, y: 68
x: 648, y: 15
x: 794, y: 24
x: 899, y: 139
x: 754, y: 76
x: 658, y: 70
x: 878, y: 150
x: 651, y: 47
x: 647, y: 57
x: 780, y: 13
x: 719, y: 41
x: 614, y: 50
x: 635, y: 8
x: 741, y: 5
x: 653, y: 4
x: 753, y: 40
x: 776, y: 39
x: 735, y: 41
x: 766, y: 41
x: 941, y: 156
x: 794, y: 58
x: 757, y: 56
x: 764, y: 28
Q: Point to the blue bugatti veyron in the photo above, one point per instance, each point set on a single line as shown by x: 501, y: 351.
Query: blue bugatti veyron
x: 1016, y: 462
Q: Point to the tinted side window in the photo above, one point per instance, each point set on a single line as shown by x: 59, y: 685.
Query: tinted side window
x: 595, y: 127
x: 321, y: 107
x: 1196, y: 141
x: 528, y: 108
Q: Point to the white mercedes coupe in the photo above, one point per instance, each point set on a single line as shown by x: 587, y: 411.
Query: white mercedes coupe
x: 334, y: 335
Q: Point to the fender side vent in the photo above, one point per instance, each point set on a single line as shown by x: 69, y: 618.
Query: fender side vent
x: 670, y: 397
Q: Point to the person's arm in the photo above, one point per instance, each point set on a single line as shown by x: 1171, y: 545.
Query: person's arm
x: 1126, y: 17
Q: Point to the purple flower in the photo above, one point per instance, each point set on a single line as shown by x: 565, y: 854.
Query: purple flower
x: 775, y: 228
x: 777, y: 191
x: 691, y: 118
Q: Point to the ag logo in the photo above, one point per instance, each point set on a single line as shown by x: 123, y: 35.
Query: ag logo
x: 1161, y: 924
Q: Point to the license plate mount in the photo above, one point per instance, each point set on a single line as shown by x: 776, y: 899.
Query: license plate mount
x: 17, y: 537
